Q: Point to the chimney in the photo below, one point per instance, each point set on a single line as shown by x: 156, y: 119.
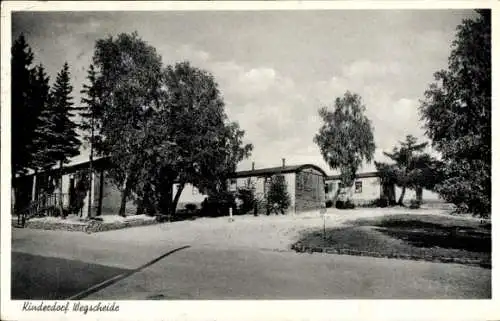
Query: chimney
x: 253, y: 166
x: 283, y: 161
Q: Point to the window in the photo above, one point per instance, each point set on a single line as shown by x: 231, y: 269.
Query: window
x: 340, y: 185
x: 358, y: 187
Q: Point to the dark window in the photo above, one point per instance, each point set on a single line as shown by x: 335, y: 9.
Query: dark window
x: 358, y: 187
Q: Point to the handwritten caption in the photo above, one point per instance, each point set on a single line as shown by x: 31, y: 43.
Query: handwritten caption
x: 70, y: 307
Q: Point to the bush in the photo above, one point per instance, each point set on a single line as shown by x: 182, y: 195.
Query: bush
x: 247, y: 197
x: 218, y: 204
x: 344, y: 205
x: 415, y: 204
x: 278, y: 199
x: 329, y: 203
x: 191, y: 207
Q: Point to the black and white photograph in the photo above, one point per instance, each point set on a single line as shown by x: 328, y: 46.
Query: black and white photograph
x: 261, y: 153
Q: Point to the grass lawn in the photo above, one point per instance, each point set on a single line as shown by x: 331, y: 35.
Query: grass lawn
x: 422, y: 237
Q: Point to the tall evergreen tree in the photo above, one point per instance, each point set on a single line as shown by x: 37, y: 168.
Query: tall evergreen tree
x: 64, y: 139
x: 41, y: 149
x: 90, y: 113
x: 23, y: 120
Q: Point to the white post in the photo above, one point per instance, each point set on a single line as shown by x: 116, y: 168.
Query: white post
x: 231, y: 214
x: 33, y: 188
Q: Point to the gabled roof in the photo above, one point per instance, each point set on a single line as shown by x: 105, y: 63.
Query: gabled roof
x: 276, y: 170
x: 360, y: 175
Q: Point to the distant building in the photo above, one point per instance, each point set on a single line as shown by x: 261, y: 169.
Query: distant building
x: 305, y: 185
x: 367, y: 187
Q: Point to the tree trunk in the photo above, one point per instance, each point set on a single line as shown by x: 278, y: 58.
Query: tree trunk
x: 101, y: 192
x: 401, y: 198
x: 124, y: 195
x: 419, y: 193
x: 33, y: 187
x: 176, y: 198
x: 60, y: 188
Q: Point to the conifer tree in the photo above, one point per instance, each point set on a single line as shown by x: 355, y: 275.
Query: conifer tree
x: 23, y: 120
x: 41, y: 150
x: 64, y: 142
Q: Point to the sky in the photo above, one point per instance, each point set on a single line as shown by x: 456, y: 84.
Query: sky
x: 275, y: 69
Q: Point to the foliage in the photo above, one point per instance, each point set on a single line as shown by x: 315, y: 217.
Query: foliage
x: 64, y: 142
x: 328, y: 203
x: 412, y: 168
x: 42, y: 149
x: 23, y: 114
x: 344, y: 204
x: 191, y: 207
x: 247, y: 196
x: 218, y: 204
x: 91, y: 113
x: 158, y: 125
x: 415, y: 204
x: 277, y: 197
x: 201, y: 147
x: 457, y: 115
x: 346, y: 137
x: 123, y: 90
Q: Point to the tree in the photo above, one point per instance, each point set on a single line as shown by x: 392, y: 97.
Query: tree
x: 41, y: 149
x: 126, y: 88
x: 89, y: 115
x: 346, y: 137
x: 23, y: 118
x: 64, y: 142
x: 411, y: 169
x: 198, y: 144
x: 456, y: 112
x: 90, y: 112
x: 278, y: 198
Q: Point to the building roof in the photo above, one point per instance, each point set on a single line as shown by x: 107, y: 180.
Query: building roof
x: 360, y: 175
x: 276, y: 170
x: 97, y: 163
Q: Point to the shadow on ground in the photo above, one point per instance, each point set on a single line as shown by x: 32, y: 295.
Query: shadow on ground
x: 436, y: 235
x: 426, y: 237
x: 36, y: 277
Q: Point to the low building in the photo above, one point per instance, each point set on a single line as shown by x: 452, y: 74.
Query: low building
x: 74, y: 195
x: 305, y: 185
x: 367, y: 188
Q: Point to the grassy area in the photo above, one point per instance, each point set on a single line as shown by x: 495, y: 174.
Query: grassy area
x: 421, y: 237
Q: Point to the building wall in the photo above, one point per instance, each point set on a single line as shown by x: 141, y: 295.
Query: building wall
x: 427, y: 195
x: 190, y: 195
x: 371, y: 190
x: 111, y: 199
x: 309, y: 190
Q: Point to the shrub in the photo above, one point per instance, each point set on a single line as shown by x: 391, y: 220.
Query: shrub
x: 329, y: 203
x: 278, y: 199
x: 344, y: 204
x: 247, y: 197
x: 415, y: 204
x: 218, y: 204
x: 191, y: 207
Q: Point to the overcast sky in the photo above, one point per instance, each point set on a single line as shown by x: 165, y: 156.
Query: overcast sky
x: 275, y: 69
